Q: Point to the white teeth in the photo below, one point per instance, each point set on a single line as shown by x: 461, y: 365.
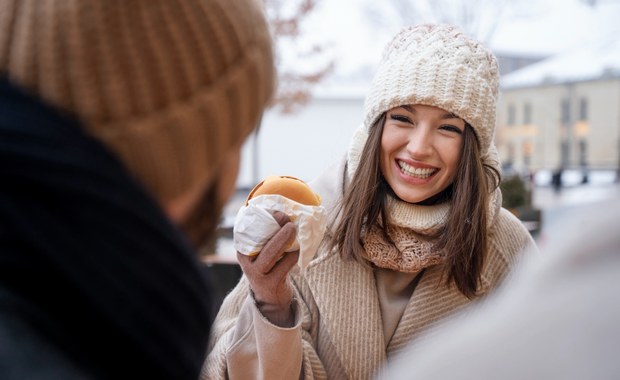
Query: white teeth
x: 416, y: 172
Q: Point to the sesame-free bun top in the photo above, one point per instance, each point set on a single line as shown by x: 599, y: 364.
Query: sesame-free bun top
x: 288, y: 187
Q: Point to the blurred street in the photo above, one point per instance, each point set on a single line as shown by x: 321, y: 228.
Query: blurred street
x: 546, y: 198
x: 552, y: 203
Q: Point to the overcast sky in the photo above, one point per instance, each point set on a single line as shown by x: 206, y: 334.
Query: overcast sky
x: 535, y: 27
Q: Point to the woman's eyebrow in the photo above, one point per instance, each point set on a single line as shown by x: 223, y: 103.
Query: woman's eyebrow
x: 408, y: 108
x: 449, y: 115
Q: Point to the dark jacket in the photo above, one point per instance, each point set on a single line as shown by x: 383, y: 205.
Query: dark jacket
x: 95, y: 282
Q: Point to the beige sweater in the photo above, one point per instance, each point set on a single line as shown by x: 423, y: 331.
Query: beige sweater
x: 339, y: 330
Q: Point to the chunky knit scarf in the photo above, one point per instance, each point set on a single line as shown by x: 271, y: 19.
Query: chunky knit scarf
x: 408, y: 251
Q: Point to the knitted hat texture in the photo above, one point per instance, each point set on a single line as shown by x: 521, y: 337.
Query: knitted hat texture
x: 438, y: 65
x: 169, y: 85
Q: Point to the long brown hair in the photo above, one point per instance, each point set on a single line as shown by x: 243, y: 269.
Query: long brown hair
x: 464, y: 236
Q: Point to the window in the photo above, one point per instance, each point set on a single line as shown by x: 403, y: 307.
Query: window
x: 527, y: 114
x: 565, y: 111
x: 511, y: 114
x: 583, y: 109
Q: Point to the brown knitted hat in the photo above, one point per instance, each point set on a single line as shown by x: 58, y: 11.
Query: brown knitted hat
x: 169, y: 85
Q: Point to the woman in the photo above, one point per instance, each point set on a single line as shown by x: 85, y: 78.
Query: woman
x: 418, y: 231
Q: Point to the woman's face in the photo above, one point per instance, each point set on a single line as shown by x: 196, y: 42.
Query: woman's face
x: 420, y: 150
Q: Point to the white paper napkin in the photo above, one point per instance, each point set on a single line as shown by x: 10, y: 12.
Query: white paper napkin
x: 255, y: 225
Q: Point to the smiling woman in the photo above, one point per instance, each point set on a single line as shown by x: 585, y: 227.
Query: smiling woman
x: 417, y: 230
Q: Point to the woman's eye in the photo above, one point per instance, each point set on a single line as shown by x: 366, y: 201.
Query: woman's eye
x: 400, y: 118
x: 451, y: 128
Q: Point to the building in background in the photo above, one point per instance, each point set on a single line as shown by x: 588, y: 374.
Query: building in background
x: 563, y: 112
x: 304, y: 143
x: 511, y: 61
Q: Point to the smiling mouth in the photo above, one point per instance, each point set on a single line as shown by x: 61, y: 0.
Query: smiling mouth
x: 416, y: 172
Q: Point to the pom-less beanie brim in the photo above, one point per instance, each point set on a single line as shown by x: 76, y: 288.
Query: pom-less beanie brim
x: 170, y: 86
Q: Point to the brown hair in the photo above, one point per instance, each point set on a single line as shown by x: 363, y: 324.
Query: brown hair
x: 463, y: 237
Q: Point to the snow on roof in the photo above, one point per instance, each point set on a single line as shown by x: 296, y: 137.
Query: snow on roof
x: 586, y: 48
x: 598, y: 60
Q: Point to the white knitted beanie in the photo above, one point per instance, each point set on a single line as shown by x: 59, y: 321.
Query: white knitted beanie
x: 436, y: 65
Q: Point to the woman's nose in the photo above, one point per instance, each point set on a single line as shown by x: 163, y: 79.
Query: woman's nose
x: 420, y: 142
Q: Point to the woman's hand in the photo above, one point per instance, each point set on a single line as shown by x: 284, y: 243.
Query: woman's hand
x: 268, y: 271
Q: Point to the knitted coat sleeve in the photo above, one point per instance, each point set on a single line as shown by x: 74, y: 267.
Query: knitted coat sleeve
x: 239, y: 325
x: 244, y: 345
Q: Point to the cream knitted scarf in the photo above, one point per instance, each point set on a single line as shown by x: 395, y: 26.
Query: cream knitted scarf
x: 407, y: 251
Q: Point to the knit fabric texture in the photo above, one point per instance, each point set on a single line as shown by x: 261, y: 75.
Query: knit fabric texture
x: 168, y: 85
x: 405, y: 253
x: 438, y: 65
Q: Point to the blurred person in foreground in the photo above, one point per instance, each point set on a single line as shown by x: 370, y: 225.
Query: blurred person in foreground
x: 417, y: 230
x: 557, y: 317
x: 121, y: 124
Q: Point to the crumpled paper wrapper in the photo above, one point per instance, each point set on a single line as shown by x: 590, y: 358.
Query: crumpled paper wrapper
x: 255, y: 225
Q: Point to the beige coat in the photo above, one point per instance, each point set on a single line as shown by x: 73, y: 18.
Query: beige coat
x: 556, y: 318
x: 339, y: 331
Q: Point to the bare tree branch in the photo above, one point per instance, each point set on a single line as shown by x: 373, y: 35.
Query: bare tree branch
x: 294, y: 84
